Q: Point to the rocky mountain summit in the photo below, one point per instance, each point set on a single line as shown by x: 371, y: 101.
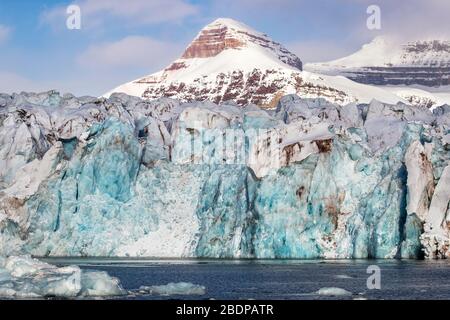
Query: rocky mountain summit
x: 224, y: 34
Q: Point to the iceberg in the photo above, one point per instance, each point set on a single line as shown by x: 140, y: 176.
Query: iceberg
x: 25, y: 277
x: 125, y: 177
x: 180, y: 288
x: 332, y: 291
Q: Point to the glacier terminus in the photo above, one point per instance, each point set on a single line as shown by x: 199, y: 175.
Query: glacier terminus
x: 126, y: 177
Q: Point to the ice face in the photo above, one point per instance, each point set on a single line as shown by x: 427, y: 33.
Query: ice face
x: 127, y: 177
x: 25, y: 277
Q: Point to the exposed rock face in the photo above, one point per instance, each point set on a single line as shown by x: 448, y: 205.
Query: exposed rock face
x: 431, y: 53
x: 263, y: 88
x: 426, y: 76
x: 210, y: 43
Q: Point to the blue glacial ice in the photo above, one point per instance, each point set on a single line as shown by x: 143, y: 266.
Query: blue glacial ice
x: 128, y: 177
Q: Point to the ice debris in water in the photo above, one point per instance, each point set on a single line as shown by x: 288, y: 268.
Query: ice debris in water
x: 311, y: 179
x: 181, y: 288
x: 343, y: 276
x: 332, y: 291
x: 25, y: 277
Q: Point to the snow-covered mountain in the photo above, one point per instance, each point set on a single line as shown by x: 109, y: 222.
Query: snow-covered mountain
x: 229, y: 60
x: 385, y: 61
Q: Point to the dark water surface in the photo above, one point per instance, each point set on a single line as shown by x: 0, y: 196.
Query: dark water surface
x: 279, y: 279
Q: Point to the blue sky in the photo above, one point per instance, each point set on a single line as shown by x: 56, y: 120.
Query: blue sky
x: 122, y: 40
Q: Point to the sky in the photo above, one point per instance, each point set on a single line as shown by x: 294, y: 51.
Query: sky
x: 120, y: 41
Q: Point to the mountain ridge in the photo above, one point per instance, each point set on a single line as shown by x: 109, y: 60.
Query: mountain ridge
x: 386, y: 61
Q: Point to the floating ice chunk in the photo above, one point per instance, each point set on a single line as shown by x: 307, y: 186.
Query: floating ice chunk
x: 332, y: 291
x: 25, y: 266
x: 343, y: 276
x: 63, y: 282
x: 181, y: 288
x: 99, y: 283
x: 25, y: 277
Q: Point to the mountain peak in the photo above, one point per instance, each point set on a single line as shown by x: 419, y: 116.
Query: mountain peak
x: 228, y: 34
x: 230, y: 24
x: 221, y: 34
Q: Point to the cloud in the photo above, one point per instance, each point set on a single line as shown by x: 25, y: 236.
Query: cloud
x: 133, y: 51
x: 401, y: 21
x: 318, y: 51
x: 11, y: 82
x: 416, y: 18
x: 4, y: 33
x: 141, y: 12
x: 258, y: 5
x: 406, y: 20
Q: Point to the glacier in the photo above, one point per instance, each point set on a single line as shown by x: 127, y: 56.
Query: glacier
x: 126, y: 177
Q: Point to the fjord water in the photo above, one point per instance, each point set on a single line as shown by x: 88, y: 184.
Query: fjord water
x: 279, y: 279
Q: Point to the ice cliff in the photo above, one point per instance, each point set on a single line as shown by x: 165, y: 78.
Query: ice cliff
x: 128, y: 177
